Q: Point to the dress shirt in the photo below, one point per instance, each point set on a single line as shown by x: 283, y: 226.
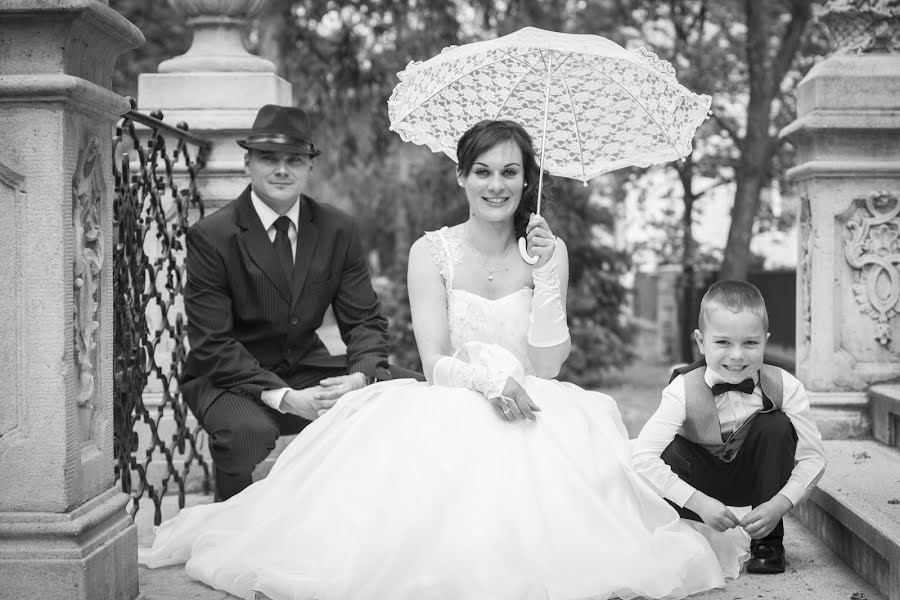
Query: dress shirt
x: 734, y: 408
x: 268, y: 216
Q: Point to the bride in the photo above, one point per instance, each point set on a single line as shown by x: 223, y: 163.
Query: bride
x: 492, y: 481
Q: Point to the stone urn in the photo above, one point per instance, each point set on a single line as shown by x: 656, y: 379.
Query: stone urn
x: 218, y: 41
x: 858, y: 26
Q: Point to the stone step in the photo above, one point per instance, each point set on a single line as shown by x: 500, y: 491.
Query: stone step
x: 855, y: 510
x: 884, y: 406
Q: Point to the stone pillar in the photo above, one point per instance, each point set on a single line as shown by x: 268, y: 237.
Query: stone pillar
x: 847, y: 135
x: 216, y: 87
x: 64, y: 533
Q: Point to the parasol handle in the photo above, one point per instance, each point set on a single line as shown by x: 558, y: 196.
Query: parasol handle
x: 523, y: 246
x: 523, y: 250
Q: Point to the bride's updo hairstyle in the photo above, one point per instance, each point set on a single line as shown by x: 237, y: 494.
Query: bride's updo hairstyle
x: 483, y: 136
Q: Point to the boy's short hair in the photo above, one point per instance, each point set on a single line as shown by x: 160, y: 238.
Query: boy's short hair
x: 736, y: 296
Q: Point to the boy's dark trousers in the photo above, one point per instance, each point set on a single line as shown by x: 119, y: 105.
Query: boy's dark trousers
x: 759, y: 470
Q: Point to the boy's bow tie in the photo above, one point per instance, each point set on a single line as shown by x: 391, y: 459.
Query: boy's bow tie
x: 745, y: 387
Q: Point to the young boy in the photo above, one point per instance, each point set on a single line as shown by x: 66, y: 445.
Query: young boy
x: 733, y: 431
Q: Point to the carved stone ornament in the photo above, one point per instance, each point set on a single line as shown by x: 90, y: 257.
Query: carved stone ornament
x: 218, y: 45
x: 863, y: 25
x: 872, y: 250
x: 239, y: 10
x: 87, y: 197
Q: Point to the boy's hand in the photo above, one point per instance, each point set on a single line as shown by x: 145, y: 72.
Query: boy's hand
x: 759, y: 522
x: 714, y: 513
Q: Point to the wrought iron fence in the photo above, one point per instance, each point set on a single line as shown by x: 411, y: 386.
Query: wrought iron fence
x: 156, y: 196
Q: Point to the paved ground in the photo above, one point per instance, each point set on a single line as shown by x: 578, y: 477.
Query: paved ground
x: 813, y: 573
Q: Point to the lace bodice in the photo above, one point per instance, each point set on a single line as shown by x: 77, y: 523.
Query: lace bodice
x: 473, y: 318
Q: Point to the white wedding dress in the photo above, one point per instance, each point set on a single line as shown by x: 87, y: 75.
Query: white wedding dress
x: 406, y: 490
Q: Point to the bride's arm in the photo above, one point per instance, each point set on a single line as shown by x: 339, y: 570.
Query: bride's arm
x: 428, y: 306
x: 548, y: 335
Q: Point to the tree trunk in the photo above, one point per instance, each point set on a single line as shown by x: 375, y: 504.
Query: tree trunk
x: 688, y: 280
x: 758, y: 147
x: 751, y: 178
x: 688, y: 258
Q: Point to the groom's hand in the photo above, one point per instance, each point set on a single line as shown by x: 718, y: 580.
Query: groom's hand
x: 306, y: 403
x: 333, y: 388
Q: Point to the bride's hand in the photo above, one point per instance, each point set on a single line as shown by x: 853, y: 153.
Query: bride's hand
x: 514, y: 403
x: 541, y: 241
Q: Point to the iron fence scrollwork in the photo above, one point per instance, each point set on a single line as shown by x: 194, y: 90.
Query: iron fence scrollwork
x: 155, y: 199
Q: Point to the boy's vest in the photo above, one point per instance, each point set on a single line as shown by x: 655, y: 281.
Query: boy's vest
x: 701, y: 422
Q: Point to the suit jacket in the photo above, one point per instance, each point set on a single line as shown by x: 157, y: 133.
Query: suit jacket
x: 249, y: 328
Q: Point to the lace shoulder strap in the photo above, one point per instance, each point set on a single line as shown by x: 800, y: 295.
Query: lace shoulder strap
x: 446, y: 251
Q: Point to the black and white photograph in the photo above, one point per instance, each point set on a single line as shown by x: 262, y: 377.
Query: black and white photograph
x: 450, y: 299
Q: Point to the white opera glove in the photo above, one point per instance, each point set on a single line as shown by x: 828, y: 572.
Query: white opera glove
x: 453, y: 372
x: 548, y: 325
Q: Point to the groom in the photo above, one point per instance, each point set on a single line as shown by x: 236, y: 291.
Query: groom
x: 261, y: 273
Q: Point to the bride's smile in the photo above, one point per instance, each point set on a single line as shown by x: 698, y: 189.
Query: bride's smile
x: 495, y: 182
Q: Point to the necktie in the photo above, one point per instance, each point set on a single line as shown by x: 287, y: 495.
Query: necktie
x: 746, y: 387
x: 282, y: 243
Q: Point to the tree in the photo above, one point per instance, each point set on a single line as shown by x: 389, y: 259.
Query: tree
x: 166, y: 36
x: 749, y: 55
x: 772, y: 42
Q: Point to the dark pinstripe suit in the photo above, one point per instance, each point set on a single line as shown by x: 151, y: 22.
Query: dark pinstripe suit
x: 250, y: 329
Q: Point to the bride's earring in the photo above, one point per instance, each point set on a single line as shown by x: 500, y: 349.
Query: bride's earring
x: 525, y: 184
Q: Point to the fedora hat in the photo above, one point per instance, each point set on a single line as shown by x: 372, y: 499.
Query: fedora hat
x: 280, y: 129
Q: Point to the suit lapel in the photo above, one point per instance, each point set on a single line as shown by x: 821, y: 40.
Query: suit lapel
x: 257, y: 244
x: 307, y: 238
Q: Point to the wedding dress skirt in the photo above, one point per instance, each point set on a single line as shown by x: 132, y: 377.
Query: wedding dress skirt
x: 410, y: 491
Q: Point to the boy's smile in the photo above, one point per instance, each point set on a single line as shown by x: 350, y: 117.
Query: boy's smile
x: 733, y: 343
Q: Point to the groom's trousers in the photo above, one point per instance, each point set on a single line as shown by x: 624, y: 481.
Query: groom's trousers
x: 243, y: 431
x: 759, y: 470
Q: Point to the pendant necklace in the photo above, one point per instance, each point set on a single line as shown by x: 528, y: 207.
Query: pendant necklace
x: 483, y: 262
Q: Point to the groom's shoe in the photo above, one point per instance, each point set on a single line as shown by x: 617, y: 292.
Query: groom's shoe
x: 766, y: 557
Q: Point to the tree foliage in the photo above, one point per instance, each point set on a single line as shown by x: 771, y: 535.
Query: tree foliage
x: 166, y: 36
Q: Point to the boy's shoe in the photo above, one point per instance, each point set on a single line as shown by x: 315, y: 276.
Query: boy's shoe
x: 766, y: 557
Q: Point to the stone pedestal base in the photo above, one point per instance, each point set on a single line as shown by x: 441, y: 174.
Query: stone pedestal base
x: 88, y: 553
x: 841, y: 415
x: 220, y: 107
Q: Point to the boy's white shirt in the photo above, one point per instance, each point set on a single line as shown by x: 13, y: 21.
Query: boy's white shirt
x: 733, y: 408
